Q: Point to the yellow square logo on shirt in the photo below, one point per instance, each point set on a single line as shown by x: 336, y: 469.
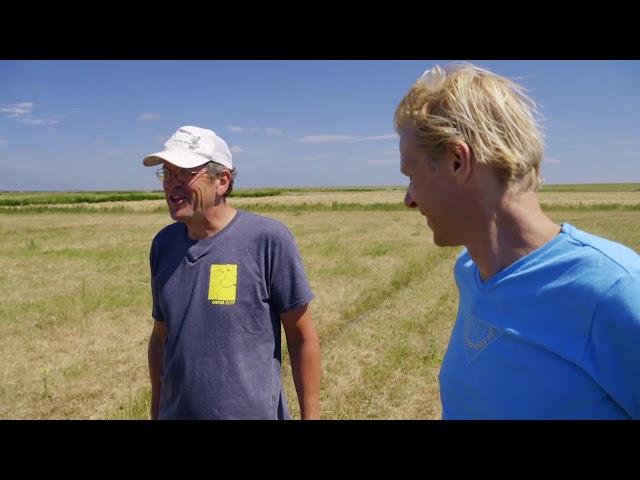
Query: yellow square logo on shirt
x: 222, y: 284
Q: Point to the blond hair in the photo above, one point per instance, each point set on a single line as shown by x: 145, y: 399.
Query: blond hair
x: 490, y: 113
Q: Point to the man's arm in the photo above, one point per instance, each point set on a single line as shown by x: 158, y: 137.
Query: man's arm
x: 304, y: 351
x: 156, y: 361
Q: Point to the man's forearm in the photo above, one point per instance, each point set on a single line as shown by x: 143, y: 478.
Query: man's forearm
x: 156, y: 356
x: 306, y: 368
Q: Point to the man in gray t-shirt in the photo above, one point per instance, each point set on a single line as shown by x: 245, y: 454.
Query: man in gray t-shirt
x: 222, y: 281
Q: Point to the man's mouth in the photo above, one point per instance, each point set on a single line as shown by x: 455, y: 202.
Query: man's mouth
x: 177, y: 199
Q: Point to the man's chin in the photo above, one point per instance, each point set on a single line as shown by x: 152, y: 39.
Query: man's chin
x: 437, y: 239
x: 438, y: 242
x: 441, y: 241
x: 180, y: 214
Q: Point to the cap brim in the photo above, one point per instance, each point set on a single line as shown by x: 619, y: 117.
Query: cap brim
x: 178, y: 157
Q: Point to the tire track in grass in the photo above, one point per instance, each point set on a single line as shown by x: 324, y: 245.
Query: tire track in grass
x: 364, y: 305
x: 385, y: 365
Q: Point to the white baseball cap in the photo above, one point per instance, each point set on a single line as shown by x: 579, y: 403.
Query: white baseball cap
x: 191, y: 147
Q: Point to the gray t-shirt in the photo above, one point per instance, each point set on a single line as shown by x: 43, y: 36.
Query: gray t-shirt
x: 220, y: 299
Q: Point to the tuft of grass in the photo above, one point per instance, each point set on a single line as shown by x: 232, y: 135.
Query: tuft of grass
x: 379, y: 249
x: 45, y: 375
x: 136, y: 407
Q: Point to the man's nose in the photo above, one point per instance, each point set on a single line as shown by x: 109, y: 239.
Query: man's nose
x: 408, y: 201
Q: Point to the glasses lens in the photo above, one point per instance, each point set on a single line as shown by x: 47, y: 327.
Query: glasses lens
x: 184, y: 174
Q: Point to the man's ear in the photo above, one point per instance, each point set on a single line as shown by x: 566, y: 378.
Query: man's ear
x: 460, y: 161
x: 223, y: 184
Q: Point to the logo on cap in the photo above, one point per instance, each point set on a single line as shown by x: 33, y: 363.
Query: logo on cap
x: 194, y: 143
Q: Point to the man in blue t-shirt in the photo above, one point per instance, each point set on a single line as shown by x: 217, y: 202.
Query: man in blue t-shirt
x: 222, y: 282
x: 548, y: 324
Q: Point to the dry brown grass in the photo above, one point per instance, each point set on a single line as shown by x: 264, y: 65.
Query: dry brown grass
x: 75, y: 316
x: 589, y: 198
x: 75, y: 313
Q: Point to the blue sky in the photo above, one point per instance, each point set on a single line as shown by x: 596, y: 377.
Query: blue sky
x: 86, y: 125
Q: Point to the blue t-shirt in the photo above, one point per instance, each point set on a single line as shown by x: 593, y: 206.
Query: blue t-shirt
x: 556, y: 335
x: 220, y: 299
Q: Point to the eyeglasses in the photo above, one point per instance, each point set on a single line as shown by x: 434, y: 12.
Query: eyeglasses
x: 164, y: 174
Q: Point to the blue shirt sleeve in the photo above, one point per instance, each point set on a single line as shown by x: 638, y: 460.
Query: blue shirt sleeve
x: 613, y: 352
x: 287, y: 280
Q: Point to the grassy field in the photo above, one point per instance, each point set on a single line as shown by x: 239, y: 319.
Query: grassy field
x: 625, y: 196
x: 75, y: 317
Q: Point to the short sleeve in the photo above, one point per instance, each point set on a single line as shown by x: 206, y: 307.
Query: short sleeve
x: 287, y: 280
x: 613, y: 352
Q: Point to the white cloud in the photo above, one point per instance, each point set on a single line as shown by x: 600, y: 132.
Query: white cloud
x: 269, y: 130
x: 236, y: 149
x: 523, y: 77
x: 148, y: 116
x: 376, y: 137
x: 23, y: 166
x: 325, y: 138
x: 38, y: 121
x: 3, y: 142
x: 14, y: 110
x: 22, y: 113
x: 383, y: 137
x: 552, y: 160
